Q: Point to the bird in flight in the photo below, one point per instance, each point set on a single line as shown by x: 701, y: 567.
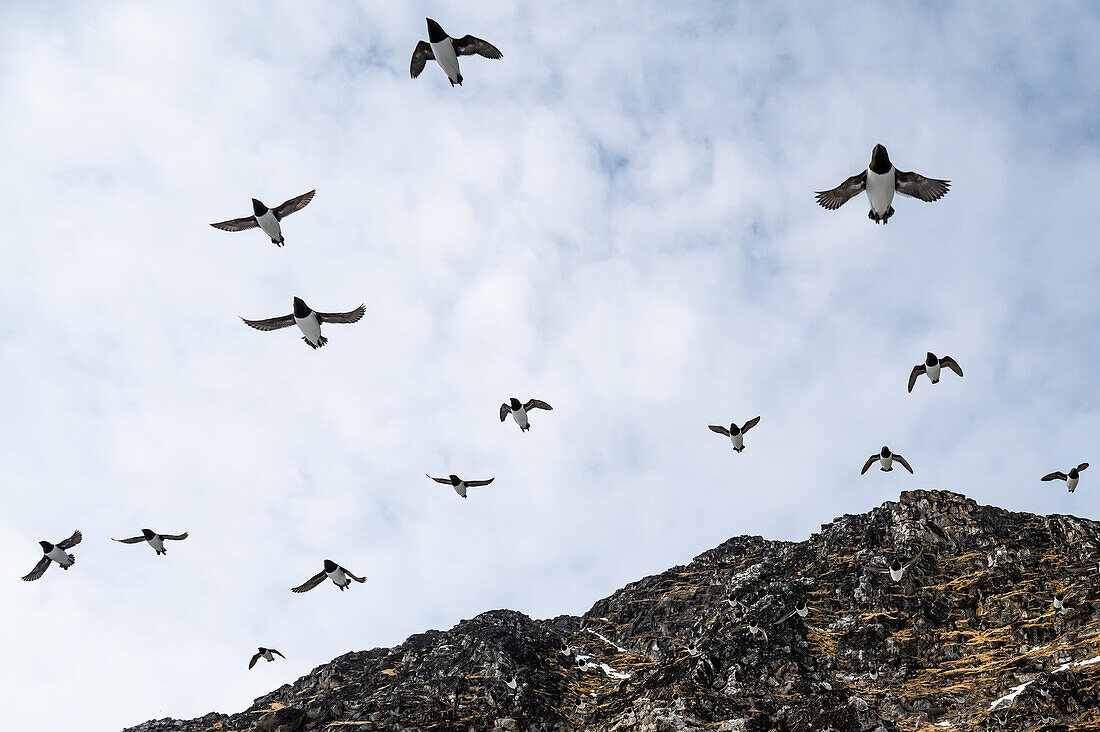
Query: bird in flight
x: 931, y: 367
x: 459, y: 484
x: 735, y: 433
x: 886, y: 459
x: 267, y: 218
x: 1071, y: 478
x: 880, y: 180
x: 308, y: 321
x: 340, y: 577
x: 54, y: 553
x: 445, y: 51
x: 519, y: 411
x: 155, y: 540
x: 266, y: 654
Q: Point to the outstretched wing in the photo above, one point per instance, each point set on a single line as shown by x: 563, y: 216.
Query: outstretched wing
x: 132, y: 540
x: 750, y: 424
x: 917, y: 371
x: 785, y: 617
x: 476, y: 483
x: 469, y: 45
x: 536, y: 404
x: 878, y: 569
x: 917, y: 186
x: 1082, y: 466
x: 38, y: 571
x: 867, y: 465
x: 904, y: 463
x: 174, y: 537
x: 444, y: 481
x: 349, y: 574
x: 1056, y: 475
x: 248, y: 222
x: 505, y: 410
x: 352, y: 316
x: 276, y: 652
x: 719, y: 429
x: 291, y: 205
x: 421, y: 55
x: 913, y: 561
x: 254, y: 659
x: 283, y: 321
x: 951, y: 364
x: 310, y: 583
x: 837, y: 197
x: 71, y: 541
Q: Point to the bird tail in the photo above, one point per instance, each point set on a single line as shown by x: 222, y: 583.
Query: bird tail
x: 72, y: 561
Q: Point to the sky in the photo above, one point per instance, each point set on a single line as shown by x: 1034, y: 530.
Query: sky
x: 617, y: 218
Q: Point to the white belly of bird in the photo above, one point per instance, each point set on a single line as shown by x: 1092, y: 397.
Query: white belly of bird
x: 520, y: 415
x: 445, y: 56
x: 880, y: 191
x: 897, y: 574
x: 339, y: 578
x: 157, y: 543
x: 267, y: 656
x: 310, y: 327
x: 270, y: 225
x: 1071, y: 484
x: 887, y: 462
x: 738, y: 440
x: 58, y: 555
x: 460, y: 489
x: 933, y: 372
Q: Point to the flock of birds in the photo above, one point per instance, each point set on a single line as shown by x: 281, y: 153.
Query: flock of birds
x: 880, y: 181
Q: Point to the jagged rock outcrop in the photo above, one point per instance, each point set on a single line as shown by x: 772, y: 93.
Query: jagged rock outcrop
x: 968, y: 638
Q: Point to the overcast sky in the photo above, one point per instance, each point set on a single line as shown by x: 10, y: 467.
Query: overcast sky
x: 617, y: 218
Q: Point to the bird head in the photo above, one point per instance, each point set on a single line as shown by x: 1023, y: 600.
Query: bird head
x: 734, y: 429
x: 930, y: 359
x: 435, y: 31
x: 455, y: 480
x: 258, y: 208
x: 880, y: 159
x: 301, y: 310
x: 148, y: 533
x: 884, y: 452
x: 47, y: 547
x: 330, y: 566
x: 514, y: 404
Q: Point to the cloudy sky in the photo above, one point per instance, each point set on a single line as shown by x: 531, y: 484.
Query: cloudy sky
x: 618, y: 218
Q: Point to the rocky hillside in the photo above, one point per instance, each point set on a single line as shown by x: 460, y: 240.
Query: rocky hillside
x: 968, y: 639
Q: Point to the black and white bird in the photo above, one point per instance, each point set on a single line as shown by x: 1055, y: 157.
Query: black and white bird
x: 756, y: 629
x: 155, y: 540
x: 880, y: 181
x: 54, y: 553
x: 340, y: 577
x: 1071, y: 478
x: 896, y: 570
x: 801, y: 609
x: 1061, y: 603
x: 459, y: 484
x: 932, y: 366
x: 519, y: 411
x: 446, y: 50
x: 267, y: 654
x: 886, y: 460
x: 308, y: 321
x: 267, y: 218
x: 735, y: 433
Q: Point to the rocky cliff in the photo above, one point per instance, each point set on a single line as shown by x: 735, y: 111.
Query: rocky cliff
x: 969, y: 638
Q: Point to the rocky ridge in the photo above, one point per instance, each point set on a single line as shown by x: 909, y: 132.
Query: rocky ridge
x: 968, y: 639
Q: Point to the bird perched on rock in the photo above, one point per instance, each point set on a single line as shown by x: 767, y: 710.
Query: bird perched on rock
x: 266, y: 654
x: 519, y: 411
x: 1071, y: 478
x: 886, y: 459
x: 931, y: 367
x: 459, y: 484
x: 267, y: 218
x: 445, y: 51
x: 880, y: 180
x: 54, y: 553
x: 340, y: 577
x: 735, y: 433
x: 308, y: 321
x: 155, y: 540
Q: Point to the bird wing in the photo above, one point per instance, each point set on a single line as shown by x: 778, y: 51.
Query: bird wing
x: 750, y: 424
x: 837, y: 197
x: 951, y: 364
x: 916, y: 185
x: 444, y: 481
x: 917, y: 371
x: 1082, y: 466
x: 132, y: 540
x: 421, y: 55
x: 71, y: 541
x: 39, y: 569
x: 352, y: 316
x: 310, y: 583
x: 505, y: 410
x: 1056, y: 475
x: 276, y: 653
x: 537, y: 404
x: 719, y: 429
x: 174, y: 537
x: 904, y: 463
x: 291, y: 205
x: 785, y: 617
x: 913, y: 561
x: 880, y: 570
x: 867, y: 465
x: 476, y: 483
x: 469, y: 45
x: 283, y: 321
x: 248, y: 222
x: 254, y: 659
x: 349, y: 574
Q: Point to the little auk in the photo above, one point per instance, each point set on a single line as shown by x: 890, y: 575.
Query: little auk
x: 459, y: 484
x: 519, y: 411
x: 155, y: 540
x: 446, y: 50
x: 340, y: 577
x: 265, y: 654
x: 881, y: 179
x: 931, y: 367
x: 308, y: 321
x: 54, y: 553
x: 267, y: 218
x: 886, y: 459
x: 1071, y: 478
x: 735, y: 433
